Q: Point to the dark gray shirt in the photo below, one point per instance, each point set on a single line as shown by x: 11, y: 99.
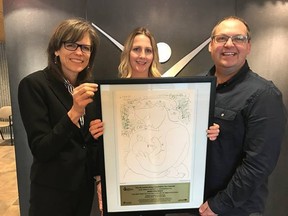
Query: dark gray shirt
x: 251, y: 115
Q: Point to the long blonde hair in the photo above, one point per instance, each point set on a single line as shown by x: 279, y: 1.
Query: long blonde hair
x: 124, y: 68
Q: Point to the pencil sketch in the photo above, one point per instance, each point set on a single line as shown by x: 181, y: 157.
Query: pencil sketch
x: 155, y: 133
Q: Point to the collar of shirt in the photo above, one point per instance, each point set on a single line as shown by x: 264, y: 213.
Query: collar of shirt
x: 234, y: 80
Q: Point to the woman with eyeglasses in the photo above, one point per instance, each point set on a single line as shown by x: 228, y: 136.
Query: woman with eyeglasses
x: 57, y: 106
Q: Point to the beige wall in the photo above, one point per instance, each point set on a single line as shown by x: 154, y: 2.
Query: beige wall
x: 1, y: 21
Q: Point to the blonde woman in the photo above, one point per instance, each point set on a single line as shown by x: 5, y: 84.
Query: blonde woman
x: 140, y: 58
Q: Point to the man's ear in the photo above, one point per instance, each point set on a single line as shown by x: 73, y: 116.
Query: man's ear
x: 209, y: 47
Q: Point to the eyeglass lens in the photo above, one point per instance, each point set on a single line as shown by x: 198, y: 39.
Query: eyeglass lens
x: 73, y: 46
x: 237, y: 39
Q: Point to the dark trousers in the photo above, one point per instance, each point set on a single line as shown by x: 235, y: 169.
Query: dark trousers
x: 46, y: 201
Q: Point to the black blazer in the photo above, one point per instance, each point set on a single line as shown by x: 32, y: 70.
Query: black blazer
x: 62, y: 153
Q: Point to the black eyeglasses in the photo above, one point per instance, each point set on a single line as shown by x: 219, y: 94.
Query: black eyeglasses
x: 71, y: 46
x: 236, y: 39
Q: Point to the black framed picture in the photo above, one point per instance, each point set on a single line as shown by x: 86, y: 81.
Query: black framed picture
x: 155, y: 143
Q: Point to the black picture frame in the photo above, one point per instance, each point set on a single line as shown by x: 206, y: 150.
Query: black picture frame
x: 155, y: 143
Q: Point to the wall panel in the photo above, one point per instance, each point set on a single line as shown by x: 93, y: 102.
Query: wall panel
x: 269, y: 23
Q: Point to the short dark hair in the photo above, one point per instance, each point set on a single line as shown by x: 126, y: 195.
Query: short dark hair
x: 233, y: 18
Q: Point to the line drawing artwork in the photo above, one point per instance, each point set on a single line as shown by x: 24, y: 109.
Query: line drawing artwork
x: 154, y: 130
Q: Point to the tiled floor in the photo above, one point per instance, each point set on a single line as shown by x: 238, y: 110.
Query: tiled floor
x: 9, y: 205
